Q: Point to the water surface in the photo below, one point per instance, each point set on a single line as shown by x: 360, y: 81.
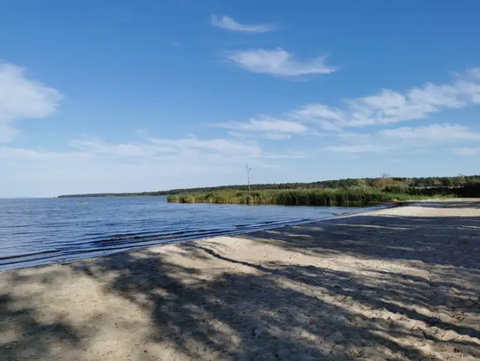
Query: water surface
x: 37, y: 232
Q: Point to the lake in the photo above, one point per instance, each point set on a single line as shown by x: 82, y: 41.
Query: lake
x: 37, y: 232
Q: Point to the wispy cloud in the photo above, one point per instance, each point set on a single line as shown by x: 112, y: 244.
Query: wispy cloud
x: 227, y: 23
x: 20, y: 155
x: 389, y: 106
x: 98, y: 147
x: 278, y: 62
x: 433, y: 132
x: 384, y: 109
x: 22, y: 98
x: 166, y: 149
x: 320, y: 115
x: 141, y: 131
x: 268, y: 128
x: 161, y: 147
x: 218, y: 145
x: 359, y: 148
x: 408, y: 139
x: 93, y: 164
x: 46, y: 173
x: 466, y: 151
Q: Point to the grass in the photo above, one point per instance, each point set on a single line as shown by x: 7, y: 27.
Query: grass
x: 298, y: 197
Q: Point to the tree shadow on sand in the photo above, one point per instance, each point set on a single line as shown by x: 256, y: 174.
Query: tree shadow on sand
x: 283, y: 312
x: 447, y: 241
x: 25, y: 336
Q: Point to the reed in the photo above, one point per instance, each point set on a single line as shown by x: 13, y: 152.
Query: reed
x: 297, y: 197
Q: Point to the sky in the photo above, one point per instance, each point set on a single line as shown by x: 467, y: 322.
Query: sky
x: 144, y: 95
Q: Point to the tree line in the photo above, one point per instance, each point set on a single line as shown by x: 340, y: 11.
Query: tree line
x: 397, y: 183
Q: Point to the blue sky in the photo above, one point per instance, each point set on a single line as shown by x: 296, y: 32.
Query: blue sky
x: 124, y: 95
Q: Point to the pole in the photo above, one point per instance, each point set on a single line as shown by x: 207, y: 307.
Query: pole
x: 248, y: 177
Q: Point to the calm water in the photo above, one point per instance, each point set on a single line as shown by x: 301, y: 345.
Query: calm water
x: 41, y: 231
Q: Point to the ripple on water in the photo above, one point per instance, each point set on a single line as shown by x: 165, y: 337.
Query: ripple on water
x: 36, y: 232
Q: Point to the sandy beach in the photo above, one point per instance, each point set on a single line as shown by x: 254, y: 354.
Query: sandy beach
x: 394, y: 284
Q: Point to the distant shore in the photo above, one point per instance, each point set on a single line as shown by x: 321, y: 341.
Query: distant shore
x: 436, y: 184
x: 399, y: 284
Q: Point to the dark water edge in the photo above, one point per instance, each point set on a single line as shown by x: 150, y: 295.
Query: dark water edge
x: 38, y: 232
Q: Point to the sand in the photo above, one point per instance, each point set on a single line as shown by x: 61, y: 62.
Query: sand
x: 395, y: 284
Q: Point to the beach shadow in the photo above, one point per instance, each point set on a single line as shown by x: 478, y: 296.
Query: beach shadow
x: 25, y: 336
x: 395, y: 292
x: 283, y: 312
x: 449, y: 241
x: 248, y: 316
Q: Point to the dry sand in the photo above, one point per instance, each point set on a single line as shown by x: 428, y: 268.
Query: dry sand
x: 395, y: 284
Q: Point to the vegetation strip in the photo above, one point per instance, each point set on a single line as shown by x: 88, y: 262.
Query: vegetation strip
x: 435, y: 184
x: 299, y: 197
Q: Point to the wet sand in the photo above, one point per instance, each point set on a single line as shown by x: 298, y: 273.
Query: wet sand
x: 395, y: 284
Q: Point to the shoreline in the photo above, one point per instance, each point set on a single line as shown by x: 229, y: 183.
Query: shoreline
x: 399, y: 283
x: 194, y: 238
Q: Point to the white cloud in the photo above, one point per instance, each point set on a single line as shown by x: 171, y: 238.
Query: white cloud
x: 466, y: 151
x: 7, y: 133
x: 277, y: 63
x: 389, y: 106
x: 433, y: 132
x: 227, y: 23
x: 96, y: 146
x: 318, y: 111
x: 22, y: 98
x: 385, y: 108
x: 323, y: 116
x: 164, y: 148
x: 294, y: 155
x: 141, y: 132
x: 93, y: 165
x: 469, y: 84
x: 32, y: 155
x: 359, y: 148
x: 154, y: 149
x: 220, y: 146
x: 241, y: 135
x: 407, y: 139
x: 264, y: 124
x: 264, y: 127
x: 277, y: 136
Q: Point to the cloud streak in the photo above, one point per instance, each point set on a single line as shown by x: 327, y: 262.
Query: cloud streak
x: 227, y: 23
x: 181, y: 148
x: 278, y: 63
x: 381, y: 110
x: 94, y: 165
x: 408, y: 139
x: 22, y: 98
x: 389, y: 106
x: 268, y: 128
x: 121, y: 150
x: 466, y: 151
x: 433, y: 132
